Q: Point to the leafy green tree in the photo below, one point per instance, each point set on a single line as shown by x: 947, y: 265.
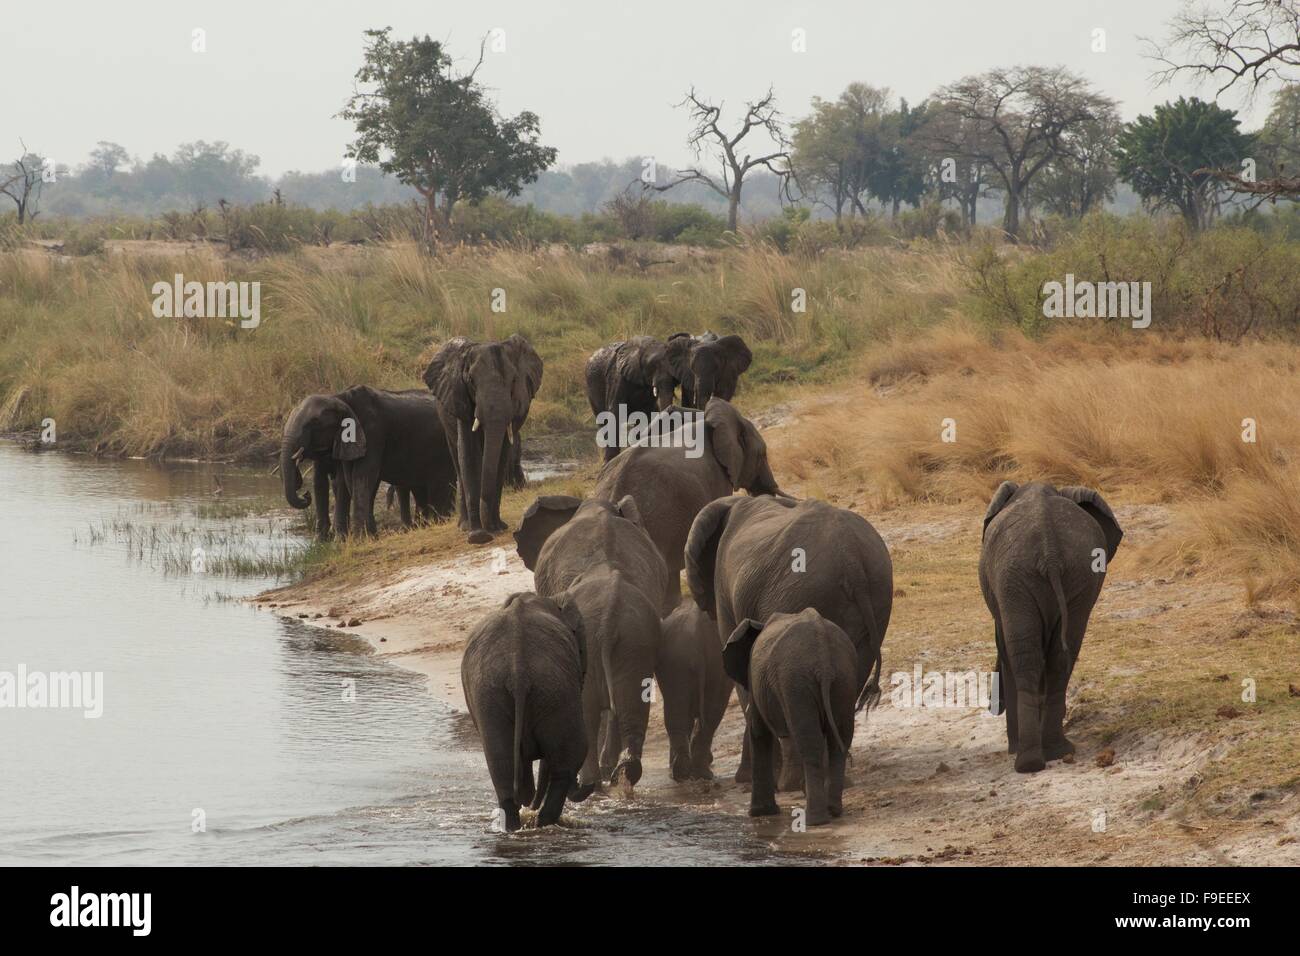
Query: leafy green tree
x: 436, y: 130
x: 1170, y: 157
x: 838, y: 148
x: 1082, y: 178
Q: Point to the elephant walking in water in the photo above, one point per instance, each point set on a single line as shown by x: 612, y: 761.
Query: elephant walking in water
x: 484, y: 390
x: 1042, y: 564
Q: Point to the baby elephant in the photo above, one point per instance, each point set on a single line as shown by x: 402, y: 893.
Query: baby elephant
x: 522, y: 675
x: 801, y: 673
x: 1042, y: 564
x: 695, y: 689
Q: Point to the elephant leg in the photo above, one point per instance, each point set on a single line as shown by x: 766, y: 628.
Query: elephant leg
x: 498, y: 750
x: 320, y: 489
x: 342, y: 504
x: 559, y: 783
x: 702, y: 750
x: 1060, y: 665
x: 372, y: 485
x: 404, y: 505
x: 1024, y: 640
x: 835, y: 780
x: 469, y: 476
x: 762, y: 796
x: 805, y: 751
x: 1006, y: 687
x: 423, y: 513
x: 534, y: 800
x: 790, y: 769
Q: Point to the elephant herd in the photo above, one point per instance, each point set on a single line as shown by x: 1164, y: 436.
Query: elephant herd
x: 789, y: 599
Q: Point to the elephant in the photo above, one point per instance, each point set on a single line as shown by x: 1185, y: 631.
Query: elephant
x: 640, y: 375
x: 671, y: 484
x: 801, y: 674
x: 595, y: 556
x: 522, y: 673
x: 716, y: 365
x: 755, y: 557
x: 484, y: 390
x: 1042, y: 565
x: 358, y: 438
x: 695, y: 690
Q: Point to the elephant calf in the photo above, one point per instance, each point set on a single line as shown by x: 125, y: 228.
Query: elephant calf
x: 1043, y: 561
x: 522, y: 675
x: 695, y: 689
x: 801, y: 674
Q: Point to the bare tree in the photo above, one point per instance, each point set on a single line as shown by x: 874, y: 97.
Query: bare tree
x: 1015, y: 121
x: 1247, y: 45
x: 23, y: 184
x: 708, y: 140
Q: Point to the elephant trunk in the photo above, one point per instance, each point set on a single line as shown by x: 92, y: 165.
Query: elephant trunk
x: 290, y: 452
x: 494, y: 435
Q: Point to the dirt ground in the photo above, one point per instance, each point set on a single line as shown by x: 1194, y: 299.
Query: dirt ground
x: 932, y: 784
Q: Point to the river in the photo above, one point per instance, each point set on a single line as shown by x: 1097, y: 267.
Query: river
x: 227, y: 736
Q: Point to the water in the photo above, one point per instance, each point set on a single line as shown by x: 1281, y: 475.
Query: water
x: 290, y: 744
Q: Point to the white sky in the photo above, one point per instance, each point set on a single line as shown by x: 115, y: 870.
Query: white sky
x: 603, y: 75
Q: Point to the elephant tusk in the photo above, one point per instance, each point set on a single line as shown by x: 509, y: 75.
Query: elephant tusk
x: 475, y: 428
x: 297, y: 456
x: 510, y: 436
x: 656, y: 391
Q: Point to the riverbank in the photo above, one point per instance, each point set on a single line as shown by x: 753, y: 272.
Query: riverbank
x: 1173, y: 765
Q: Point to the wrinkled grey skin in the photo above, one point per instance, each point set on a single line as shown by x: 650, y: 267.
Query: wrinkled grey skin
x: 397, y: 437
x: 801, y: 674
x: 522, y: 675
x: 671, y: 488
x: 595, y: 557
x: 695, y: 690
x: 741, y: 560
x: 1041, y: 571
x: 484, y: 390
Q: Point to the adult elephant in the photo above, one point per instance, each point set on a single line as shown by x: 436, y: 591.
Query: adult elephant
x: 673, y: 482
x: 1042, y: 564
x: 358, y: 438
x: 755, y: 557
x: 595, y: 556
x: 639, y: 375
x: 484, y: 390
x: 715, y: 366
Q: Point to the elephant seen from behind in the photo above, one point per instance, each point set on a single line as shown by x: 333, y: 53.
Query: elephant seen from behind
x: 695, y: 690
x: 1042, y: 564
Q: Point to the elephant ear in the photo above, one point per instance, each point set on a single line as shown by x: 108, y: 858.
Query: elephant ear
x: 572, y: 619
x: 998, y: 502
x: 738, y: 649
x: 350, y: 442
x: 627, y: 508
x: 1093, y: 503
x: 722, y: 425
x: 736, y: 352
x: 445, y: 378
x: 702, y: 551
x: 542, y: 519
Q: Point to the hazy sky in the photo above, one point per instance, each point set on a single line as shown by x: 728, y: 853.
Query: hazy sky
x: 603, y: 75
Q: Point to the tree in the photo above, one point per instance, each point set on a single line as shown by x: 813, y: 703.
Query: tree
x: 1247, y: 44
x: 946, y: 143
x: 1168, y: 157
x: 707, y: 137
x: 838, y: 149
x: 1083, y: 177
x: 436, y: 131
x: 107, y: 158
x: 22, y: 183
x: 1015, y: 122
x: 900, y: 173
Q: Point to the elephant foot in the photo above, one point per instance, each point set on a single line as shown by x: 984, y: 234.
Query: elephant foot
x: 629, y: 769
x: 498, y: 527
x: 703, y: 773
x: 545, y: 819
x: 835, y: 809
x: 479, y: 536
x: 511, y: 814
x: 681, y: 771
x: 765, y: 809
x: 1056, y: 749
x: 744, y: 774
x: 581, y: 792
x: 1030, y: 761
x: 818, y: 819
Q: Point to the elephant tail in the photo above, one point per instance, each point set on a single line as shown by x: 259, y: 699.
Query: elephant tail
x: 521, y: 697
x: 828, y: 715
x: 1054, y: 575
x: 701, y: 686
